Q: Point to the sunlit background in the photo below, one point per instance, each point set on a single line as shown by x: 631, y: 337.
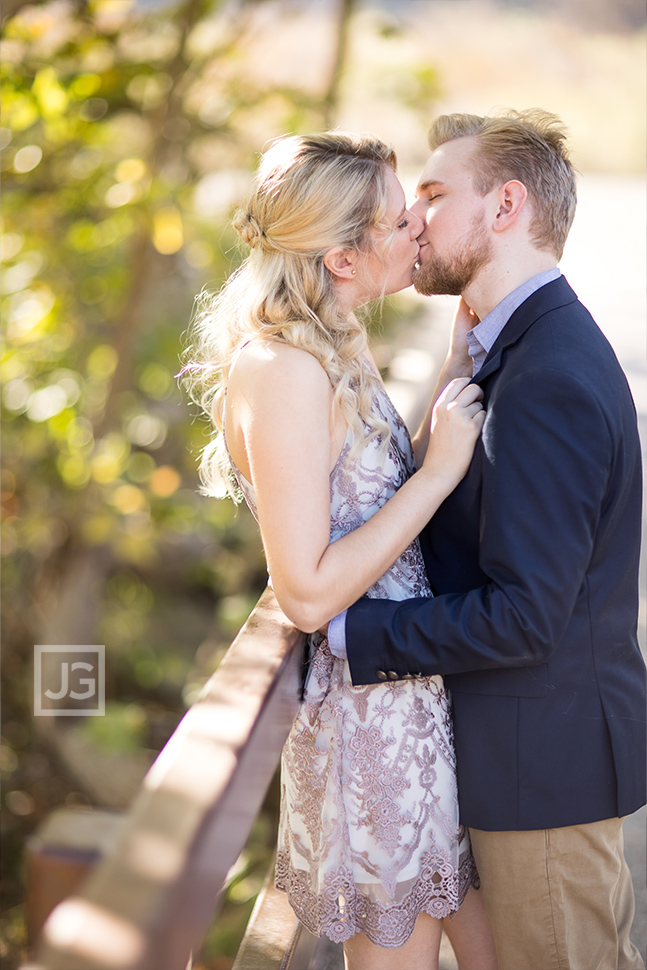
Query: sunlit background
x: 129, y: 131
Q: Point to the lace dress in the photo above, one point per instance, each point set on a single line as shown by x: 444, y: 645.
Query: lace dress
x: 369, y: 834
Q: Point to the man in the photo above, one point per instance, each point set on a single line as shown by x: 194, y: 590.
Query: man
x: 533, y: 560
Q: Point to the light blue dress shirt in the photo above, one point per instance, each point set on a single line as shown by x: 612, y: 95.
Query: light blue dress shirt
x: 480, y: 341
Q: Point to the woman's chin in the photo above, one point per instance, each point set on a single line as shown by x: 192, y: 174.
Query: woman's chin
x: 398, y: 287
x: 407, y: 280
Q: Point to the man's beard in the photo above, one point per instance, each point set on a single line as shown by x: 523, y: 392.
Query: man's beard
x: 452, y: 275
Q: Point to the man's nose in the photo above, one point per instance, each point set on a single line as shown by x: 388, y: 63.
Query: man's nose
x: 419, y: 210
x: 417, y: 225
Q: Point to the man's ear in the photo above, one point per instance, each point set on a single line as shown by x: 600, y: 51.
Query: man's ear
x: 511, y: 199
x: 341, y: 262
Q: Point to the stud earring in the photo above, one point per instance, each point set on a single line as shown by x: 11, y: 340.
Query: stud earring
x: 353, y: 272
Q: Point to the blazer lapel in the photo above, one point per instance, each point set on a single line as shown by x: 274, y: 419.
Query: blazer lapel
x: 546, y: 298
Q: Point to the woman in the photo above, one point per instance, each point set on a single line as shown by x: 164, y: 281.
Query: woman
x: 370, y: 849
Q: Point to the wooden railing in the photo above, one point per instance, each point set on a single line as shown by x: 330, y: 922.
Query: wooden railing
x: 149, y: 901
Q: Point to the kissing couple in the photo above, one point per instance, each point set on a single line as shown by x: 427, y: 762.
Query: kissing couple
x: 472, y: 730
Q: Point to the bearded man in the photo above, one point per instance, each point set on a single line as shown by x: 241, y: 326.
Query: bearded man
x: 533, y: 559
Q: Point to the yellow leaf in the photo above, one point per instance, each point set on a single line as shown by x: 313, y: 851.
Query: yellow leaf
x: 168, y: 236
x: 164, y: 481
x: 51, y: 97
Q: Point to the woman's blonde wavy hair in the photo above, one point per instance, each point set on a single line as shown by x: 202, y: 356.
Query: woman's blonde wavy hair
x: 310, y: 194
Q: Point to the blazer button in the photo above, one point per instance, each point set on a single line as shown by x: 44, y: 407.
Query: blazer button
x: 381, y: 675
x: 408, y: 677
x: 393, y: 675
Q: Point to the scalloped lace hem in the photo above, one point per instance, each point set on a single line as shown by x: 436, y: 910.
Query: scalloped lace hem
x: 343, y: 909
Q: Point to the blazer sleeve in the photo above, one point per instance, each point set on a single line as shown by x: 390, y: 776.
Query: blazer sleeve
x: 547, y: 455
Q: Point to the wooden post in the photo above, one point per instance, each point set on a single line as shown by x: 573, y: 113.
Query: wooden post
x: 60, y: 855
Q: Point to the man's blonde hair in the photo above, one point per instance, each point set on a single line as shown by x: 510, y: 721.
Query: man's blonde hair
x: 530, y: 147
x: 311, y: 193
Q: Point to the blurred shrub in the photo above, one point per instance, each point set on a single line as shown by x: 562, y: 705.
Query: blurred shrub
x: 128, y: 134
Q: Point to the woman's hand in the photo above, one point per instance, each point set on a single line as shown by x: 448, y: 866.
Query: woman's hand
x: 456, y: 423
x: 458, y: 363
x: 464, y: 321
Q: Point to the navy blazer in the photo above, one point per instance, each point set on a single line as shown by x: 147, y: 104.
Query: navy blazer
x: 533, y: 561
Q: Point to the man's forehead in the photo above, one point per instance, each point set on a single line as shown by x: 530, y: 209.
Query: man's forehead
x: 446, y: 162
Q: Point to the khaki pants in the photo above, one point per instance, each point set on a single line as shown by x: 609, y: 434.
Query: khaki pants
x: 558, y: 899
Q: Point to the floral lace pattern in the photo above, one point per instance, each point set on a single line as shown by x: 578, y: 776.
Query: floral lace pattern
x: 369, y: 835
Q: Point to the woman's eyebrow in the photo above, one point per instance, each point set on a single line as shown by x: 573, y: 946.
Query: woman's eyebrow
x: 398, y: 218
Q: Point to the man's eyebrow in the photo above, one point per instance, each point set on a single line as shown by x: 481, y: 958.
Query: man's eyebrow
x: 430, y: 183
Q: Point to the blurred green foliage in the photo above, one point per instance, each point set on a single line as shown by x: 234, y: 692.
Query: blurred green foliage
x: 127, y: 136
x: 106, y: 114
x: 113, y: 122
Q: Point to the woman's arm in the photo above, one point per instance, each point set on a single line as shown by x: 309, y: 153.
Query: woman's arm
x: 280, y: 399
x: 458, y: 363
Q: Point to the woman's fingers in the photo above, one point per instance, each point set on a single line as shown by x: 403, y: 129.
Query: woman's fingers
x: 453, y: 389
x: 461, y: 391
x: 473, y: 409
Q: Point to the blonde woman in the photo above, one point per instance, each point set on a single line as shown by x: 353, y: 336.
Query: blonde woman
x: 370, y: 849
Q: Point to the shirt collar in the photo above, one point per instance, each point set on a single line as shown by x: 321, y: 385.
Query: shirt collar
x: 481, y: 338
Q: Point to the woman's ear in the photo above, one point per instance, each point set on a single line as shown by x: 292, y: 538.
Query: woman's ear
x: 511, y: 201
x: 341, y: 262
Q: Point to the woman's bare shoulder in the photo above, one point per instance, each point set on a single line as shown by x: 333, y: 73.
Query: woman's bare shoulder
x: 271, y: 363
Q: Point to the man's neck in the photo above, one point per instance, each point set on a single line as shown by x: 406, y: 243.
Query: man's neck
x: 500, y: 277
